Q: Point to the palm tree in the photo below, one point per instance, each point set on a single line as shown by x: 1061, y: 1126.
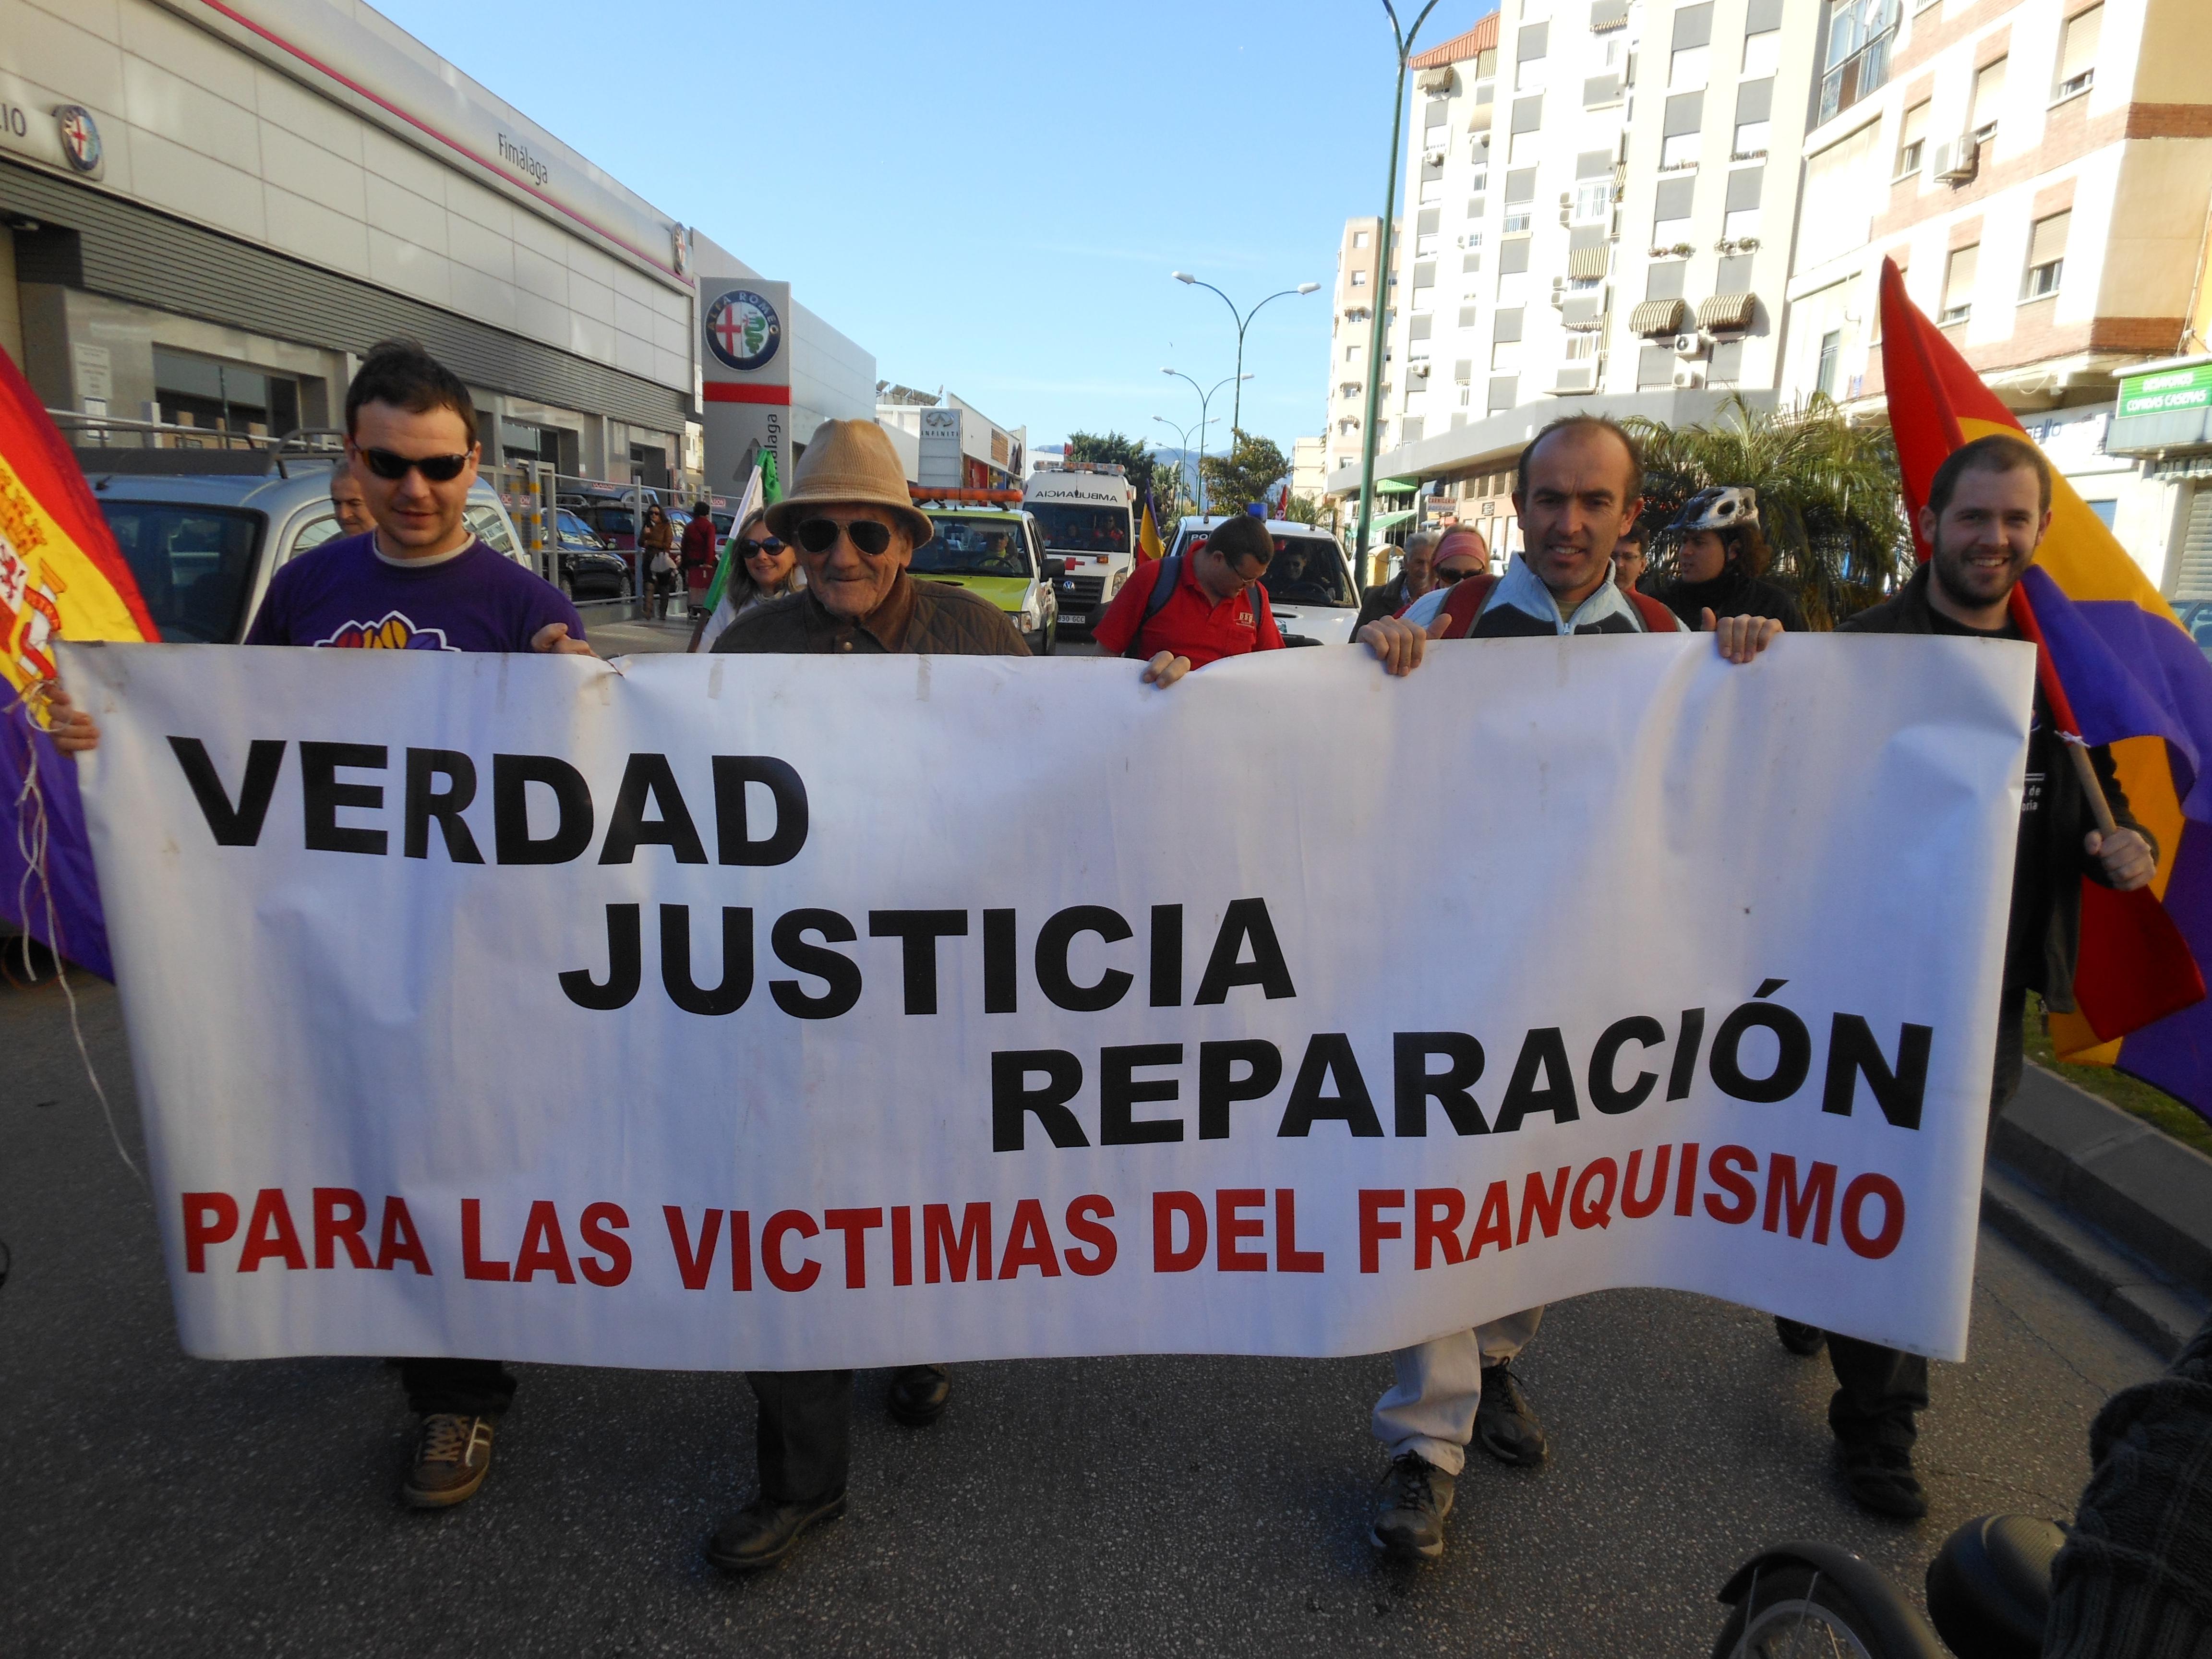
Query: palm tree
x: 1829, y: 497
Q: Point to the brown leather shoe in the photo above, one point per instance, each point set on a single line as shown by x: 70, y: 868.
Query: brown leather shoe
x: 450, y: 1461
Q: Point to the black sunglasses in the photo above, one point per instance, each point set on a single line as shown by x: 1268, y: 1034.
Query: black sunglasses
x: 438, y: 469
x: 820, y: 535
x: 1446, y: 578
x: 753, y: 549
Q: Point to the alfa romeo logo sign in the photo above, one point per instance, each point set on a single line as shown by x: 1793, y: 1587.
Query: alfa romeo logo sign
x: 80, y: 137
x: 743, y: 330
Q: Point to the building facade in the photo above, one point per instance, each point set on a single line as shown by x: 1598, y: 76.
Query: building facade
x: 1600, y: 197
x: 211, y: 211
x: 955, y: 445
x: 2041, y: 172
x: 1360, y: 287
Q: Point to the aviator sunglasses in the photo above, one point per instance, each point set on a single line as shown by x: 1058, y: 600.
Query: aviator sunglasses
x: 438, y: 469
x: 820, y: 535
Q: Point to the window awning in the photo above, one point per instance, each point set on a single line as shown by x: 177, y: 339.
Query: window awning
x: 1384, y: 520
x: 1657, y: 317
x: 1728, y: 312
x: 1589, y: 262
x: 1403, y: 486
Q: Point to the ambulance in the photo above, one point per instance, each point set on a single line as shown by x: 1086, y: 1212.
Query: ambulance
x: 1087, y: 511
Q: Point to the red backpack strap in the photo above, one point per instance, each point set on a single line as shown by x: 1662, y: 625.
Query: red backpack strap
x: 1657, y: 619
x: 1464, y: 604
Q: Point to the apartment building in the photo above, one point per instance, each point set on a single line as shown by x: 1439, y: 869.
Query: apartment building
x: 2041, y: 172
x: 1600, y: 195
x: 1359, y: 284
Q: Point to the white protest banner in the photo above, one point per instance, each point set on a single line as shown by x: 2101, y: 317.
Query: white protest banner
x: 802, y: 1011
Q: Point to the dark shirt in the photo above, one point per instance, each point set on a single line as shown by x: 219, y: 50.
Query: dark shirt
x: 1732, y: 594
x: 343, y: 594
x: 935, y: 619
x: 2042, y: 949
x: 2031, y: 871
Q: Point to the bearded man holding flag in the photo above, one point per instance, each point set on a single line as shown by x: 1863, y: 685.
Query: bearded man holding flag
x: 2086, y: 930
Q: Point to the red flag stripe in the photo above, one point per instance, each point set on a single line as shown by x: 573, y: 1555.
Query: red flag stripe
x: 49, y: 470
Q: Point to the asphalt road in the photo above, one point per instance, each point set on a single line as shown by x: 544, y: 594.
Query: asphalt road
x: 152, y: 1504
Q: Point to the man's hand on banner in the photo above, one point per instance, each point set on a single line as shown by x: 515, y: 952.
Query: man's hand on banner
x: 1397, y: 644
x: 1165, y: 669
x: 2126, y: 857
x: 1741, y: 638
x: 74, y: 731
x: 554, y: 637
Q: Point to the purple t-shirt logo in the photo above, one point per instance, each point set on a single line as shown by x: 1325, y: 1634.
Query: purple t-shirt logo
x: 395, y: 633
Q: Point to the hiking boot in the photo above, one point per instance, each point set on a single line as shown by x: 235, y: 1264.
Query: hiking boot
x: 762, y: 1533
x: 450, y: 1461
x: 1409, y: 1521
x: 1803, y: 1340
x: 920, y: 1395
x: 1505, y: 1423
x: 1880, y: 1478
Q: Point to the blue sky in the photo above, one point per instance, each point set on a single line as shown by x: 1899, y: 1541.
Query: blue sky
x: 990, y: 196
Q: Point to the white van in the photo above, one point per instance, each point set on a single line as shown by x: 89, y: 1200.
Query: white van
x: 1309, y: 583
x: 203, y: 544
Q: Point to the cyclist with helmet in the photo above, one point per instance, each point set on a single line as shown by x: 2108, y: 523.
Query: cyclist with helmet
x: 1720, y: 560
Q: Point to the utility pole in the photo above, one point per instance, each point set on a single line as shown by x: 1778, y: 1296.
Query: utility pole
x: 1404, y: 39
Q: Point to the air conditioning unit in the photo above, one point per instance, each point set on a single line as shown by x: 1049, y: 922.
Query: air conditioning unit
x: 1420, y: 370
x: 1689, y: 345
x: 1957, y: 162
x: 1688, y: 376
x: 1435, y: 158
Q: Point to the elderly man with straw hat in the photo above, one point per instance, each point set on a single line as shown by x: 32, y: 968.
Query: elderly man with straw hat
x: 855, y: 526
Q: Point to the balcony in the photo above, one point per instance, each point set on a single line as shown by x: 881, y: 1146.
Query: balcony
x: 1861, y: 34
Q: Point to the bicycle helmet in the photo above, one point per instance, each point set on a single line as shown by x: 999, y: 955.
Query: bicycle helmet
x: 1718, y: 510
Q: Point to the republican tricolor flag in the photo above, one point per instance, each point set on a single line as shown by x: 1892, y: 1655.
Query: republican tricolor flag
x: 1148, y: 534
x: 2116, y: 668
x: 61, y: 577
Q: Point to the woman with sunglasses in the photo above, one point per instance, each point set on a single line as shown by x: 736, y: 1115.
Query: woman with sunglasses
x: 656, y: 541
x: 1463, y: 553
x: 767, y: 567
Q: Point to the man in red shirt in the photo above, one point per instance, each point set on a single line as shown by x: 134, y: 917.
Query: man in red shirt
x: 1217, y: 607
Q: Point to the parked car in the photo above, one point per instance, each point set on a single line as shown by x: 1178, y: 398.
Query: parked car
x: 608, y: 508
x: 203, y: 544
x: 998, y: 554
x: 589, y: 569
x: 1309, y: 583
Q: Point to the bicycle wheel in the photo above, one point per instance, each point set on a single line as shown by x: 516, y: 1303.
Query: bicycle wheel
x: 1796, y: 1612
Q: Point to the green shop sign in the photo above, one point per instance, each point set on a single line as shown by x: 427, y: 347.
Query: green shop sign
x: 2165, y: 391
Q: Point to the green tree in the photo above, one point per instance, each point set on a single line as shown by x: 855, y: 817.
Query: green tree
x: 1829, y: 502
x: 1303, y: 509
x: 1131, y: 456
x: 1251, y: 468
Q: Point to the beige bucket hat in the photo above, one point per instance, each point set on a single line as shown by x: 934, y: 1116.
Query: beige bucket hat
x: 849, y: 464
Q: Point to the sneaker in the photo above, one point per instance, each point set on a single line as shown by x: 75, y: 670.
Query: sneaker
x: 1505, y: 1423
x: 1803, y: 1340
x: 450, y: 1461
x: 764, y: 1532
x: 1416, y: 1496
x: 1880, y: 1478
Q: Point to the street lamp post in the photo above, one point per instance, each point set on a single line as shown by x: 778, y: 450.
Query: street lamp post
x: 1236, y: 414
x: 1206, y: 397
x: 1404, y: 38
x: 1182, y: 448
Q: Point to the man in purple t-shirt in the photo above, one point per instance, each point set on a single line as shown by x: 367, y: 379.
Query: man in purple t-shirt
x: 421, y: 580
